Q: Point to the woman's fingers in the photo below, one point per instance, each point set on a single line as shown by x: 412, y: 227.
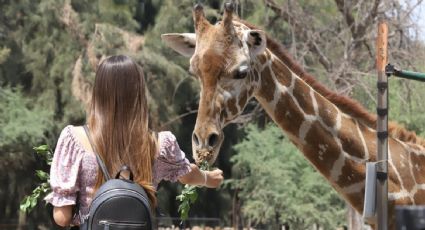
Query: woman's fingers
x: 215, y: 178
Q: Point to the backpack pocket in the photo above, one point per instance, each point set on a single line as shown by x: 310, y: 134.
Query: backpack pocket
x: 118, y: 225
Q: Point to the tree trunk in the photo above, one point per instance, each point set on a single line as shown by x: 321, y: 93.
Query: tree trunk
x: 22, y: 219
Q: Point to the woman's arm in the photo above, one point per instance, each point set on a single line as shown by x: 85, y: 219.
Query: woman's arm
x: 211, y: 179
x: 63, y: 215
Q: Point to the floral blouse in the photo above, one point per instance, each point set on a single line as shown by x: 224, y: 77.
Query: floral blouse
x: 74, y: 169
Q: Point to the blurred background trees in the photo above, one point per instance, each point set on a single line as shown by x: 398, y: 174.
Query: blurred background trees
x: 49, y: 50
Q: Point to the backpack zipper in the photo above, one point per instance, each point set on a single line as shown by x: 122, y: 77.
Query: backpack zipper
x: 108, y: 223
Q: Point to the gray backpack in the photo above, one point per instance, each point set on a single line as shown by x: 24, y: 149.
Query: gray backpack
x: 118, y: 203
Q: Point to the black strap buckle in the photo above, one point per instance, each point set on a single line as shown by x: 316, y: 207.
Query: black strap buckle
x: 382, y: 134
x: 382, y: 176
x: 382, y: 111
x: 382, y: 85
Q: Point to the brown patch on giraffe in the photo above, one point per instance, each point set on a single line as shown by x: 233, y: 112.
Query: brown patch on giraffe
x: 211, y: 64
x: 418, y: 161
x: 370, y: 139
x: 350, y: 138
x: 356, y: 200
x: 243, y: 99
x: 315, y: 138
x: 351, y: 173
x: 329, y: 114
x: 394, y: 185
x: 250, y: 91
x: 262, y: 59
x: 302, y: 94
x: 231, y: 105
x: 282, y: 73
x: 287, y: 114
x: 267, y: 88
x: 419, y: 197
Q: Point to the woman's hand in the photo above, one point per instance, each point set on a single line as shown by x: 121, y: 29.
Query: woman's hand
x: 210, y: 179
x: 214, y: 178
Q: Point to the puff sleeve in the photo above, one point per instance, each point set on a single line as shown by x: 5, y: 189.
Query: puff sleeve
x: 64, y: 170
x: 171, y: 162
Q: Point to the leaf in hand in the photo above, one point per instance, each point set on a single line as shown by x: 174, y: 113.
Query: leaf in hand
x: 30, y: 201
x: 189, y: 195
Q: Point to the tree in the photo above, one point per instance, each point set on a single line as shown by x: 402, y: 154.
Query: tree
x: 278, y: 186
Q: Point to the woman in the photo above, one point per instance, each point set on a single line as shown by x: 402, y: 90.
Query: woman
x: 118, y: 124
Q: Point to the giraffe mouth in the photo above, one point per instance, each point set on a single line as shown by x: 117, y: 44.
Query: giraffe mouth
x: 207, y: 154
x: 204, y: 155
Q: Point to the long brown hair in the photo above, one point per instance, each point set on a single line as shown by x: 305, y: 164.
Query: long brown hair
x: 118, y: 121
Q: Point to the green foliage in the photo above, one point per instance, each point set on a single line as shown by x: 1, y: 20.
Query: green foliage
x: 277, y: 185
x: 4, y: 54
x: 21, y: 121
x: 30, y: 201
x: 406, y: 104
x: 188, y: 196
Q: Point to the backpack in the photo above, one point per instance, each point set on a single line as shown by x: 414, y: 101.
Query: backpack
x: 118, y: 203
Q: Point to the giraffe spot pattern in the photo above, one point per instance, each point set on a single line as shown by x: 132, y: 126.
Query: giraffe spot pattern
x: 285, y: 104
x: 268, y: 87
x: 351, y: 174
x: 243, y: 99
x: 312, y: 148
x: 328, y: 113
x: 231, y: 106
x: 282, y: 71
x: 303, y: 97
x: 418, y: 168
x: 350, y: 138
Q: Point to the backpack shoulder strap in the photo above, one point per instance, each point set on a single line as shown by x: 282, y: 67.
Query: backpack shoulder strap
x: 102, y: 166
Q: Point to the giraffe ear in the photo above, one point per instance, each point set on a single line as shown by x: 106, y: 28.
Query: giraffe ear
x: 256, y: 40
x: 183, y: 43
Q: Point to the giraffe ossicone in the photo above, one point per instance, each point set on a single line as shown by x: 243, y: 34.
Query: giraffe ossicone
x: 234, y: 62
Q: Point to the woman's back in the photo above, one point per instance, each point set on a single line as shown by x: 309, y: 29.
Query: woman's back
x: 74, y: 168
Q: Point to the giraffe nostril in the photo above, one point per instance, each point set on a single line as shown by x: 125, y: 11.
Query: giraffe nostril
x: 212, y: 140
x: 195, y: 139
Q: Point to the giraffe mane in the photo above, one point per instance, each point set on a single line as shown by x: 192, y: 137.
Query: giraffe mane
x: 346, y: 104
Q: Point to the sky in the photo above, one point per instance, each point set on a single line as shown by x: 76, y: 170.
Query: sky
x: 419, y: 14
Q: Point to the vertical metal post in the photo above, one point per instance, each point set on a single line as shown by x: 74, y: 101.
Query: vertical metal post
x: 382, y: 129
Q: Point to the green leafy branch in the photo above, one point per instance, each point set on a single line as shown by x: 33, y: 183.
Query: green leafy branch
x: 30, y: 201
x: 189, y: 195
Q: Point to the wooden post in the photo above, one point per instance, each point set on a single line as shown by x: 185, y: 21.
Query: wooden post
x: 382, y: 128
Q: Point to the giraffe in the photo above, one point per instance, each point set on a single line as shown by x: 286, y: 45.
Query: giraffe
x: 234, y: 62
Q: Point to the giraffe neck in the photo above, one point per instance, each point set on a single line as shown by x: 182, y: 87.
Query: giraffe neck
x: 332, y: 141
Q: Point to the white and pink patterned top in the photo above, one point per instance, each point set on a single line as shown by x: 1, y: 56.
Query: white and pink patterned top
x: 74, y: 170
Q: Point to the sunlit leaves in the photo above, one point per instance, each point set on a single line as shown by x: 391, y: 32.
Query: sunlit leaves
x: 30, y: 201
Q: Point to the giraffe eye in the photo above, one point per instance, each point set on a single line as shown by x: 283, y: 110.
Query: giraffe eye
x: 241, y: 73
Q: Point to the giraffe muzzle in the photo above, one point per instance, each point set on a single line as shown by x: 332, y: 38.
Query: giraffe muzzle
x: 206, y: 149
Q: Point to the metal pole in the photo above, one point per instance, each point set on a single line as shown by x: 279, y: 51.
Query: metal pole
x: 391, y: 70
x: 382, y: 129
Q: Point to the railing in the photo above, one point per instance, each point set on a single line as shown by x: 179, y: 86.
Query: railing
x: 391, y: 70
x: 164, y: 222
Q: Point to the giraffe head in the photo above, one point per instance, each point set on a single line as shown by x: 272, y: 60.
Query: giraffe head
x: 222, y: 57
